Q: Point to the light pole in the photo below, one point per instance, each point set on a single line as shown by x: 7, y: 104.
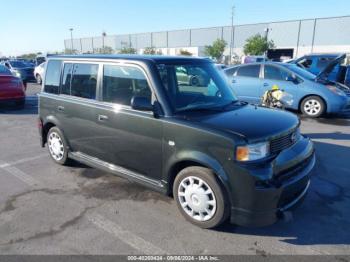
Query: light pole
x: 103, y: 40
x: 267, y: 30
x: 71, y: 39
x: 232, y: 33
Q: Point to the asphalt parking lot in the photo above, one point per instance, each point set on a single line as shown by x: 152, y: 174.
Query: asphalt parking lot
x: 50, y: 209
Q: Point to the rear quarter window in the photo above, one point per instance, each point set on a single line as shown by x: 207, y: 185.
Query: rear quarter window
x: 52, y: 77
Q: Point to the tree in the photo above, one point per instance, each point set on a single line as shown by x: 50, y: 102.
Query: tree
x: 104, y: 50
x: 216, y: 50
x: 70, y: 51
x: 127, y: 50
x: 149, y: 51
x: 185, y: 52
x: 257, y: 45
x: 152, y: 51
x: 29, y: 56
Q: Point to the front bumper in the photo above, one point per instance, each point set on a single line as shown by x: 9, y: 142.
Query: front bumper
x: 13, y: 99
x: 341, y: 104
x: 283, y: 184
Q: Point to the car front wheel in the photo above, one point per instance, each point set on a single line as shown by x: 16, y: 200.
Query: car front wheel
x: 199, y: 197
x: 313, y: 106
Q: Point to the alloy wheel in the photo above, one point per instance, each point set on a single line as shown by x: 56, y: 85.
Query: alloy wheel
x: 312, y: 107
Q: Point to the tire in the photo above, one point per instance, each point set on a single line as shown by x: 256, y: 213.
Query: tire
x: 57, y: 146
x: 194, y: 81
x: 38, y: 79
x: 193, y: 201
x: 313, y: 106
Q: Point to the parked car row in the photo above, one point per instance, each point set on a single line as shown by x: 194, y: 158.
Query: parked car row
x: 20, y: 69
x: 315, y: 63
x: 312, y: 94
x: 11, y: 87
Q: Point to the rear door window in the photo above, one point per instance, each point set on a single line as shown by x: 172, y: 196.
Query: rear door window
x: 249, y: 71
x: 84, y: 80
x: 66, y: 79
x: 52, y: 77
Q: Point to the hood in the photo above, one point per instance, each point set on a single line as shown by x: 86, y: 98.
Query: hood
x: 329, y: 68
x: 254, y: 123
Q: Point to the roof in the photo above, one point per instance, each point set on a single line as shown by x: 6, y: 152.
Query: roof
x: 325, y: 54
x: 143, y: 58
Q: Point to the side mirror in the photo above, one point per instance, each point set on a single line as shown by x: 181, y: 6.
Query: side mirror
x: 141, y: 103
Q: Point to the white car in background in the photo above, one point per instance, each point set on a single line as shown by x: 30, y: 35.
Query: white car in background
x: 39, y: 72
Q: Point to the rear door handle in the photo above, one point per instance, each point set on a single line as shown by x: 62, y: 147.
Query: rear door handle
x: 60, y: 108
x: 266, y: 84
x: 233, y: 81
x: 102, y: 118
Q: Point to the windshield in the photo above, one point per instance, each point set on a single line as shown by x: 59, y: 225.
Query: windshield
x: 18, y: 64
x: 195, y: 86
x: 302, y: 72
x: 4, y: 70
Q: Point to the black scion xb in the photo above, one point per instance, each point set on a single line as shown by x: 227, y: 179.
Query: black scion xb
x: 174, y: 125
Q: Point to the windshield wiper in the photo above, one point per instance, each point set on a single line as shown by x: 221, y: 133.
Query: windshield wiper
x: 219, y: 108
x: 233, y: 103
x: 193, y: 109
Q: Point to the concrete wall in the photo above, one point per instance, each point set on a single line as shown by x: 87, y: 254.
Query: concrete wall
x: 303, y: 36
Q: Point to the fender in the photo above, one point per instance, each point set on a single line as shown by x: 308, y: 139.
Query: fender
x: 52, y: 119
x: 200, y: 158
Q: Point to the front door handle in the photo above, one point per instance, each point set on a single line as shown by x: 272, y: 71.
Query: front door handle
x: 233, y: 81
x: 102, y: 118
x: 60, y: 108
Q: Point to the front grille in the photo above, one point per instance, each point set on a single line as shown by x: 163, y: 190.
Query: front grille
x: 284, y: 142
x: 286, y: 174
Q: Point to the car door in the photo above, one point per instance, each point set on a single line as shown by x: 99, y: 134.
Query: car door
x: 246, y: 83
x: 125, y: 137
x: 281, y: 77
x: 76, y: 108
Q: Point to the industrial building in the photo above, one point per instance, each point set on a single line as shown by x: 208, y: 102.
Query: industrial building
x: 291, y: 38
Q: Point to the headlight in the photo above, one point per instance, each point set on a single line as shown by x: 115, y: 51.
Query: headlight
x: 253, y: 151
x: 16, y: 73
x: 336, y: 90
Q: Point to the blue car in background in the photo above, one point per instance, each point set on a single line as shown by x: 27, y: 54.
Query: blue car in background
x: 312, y: 95
x: 315, y: 63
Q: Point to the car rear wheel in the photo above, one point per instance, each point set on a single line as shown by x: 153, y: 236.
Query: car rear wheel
x: 313, y: 106
x: 57, y: 146
x: 199, y: 197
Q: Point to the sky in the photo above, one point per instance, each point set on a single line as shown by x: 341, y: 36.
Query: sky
x: 42, y: 25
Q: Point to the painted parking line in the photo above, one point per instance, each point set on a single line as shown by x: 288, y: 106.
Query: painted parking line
x: 25, y: 178
x: 23, y: 160
x: 127, y: 237
x: 99, y: 221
